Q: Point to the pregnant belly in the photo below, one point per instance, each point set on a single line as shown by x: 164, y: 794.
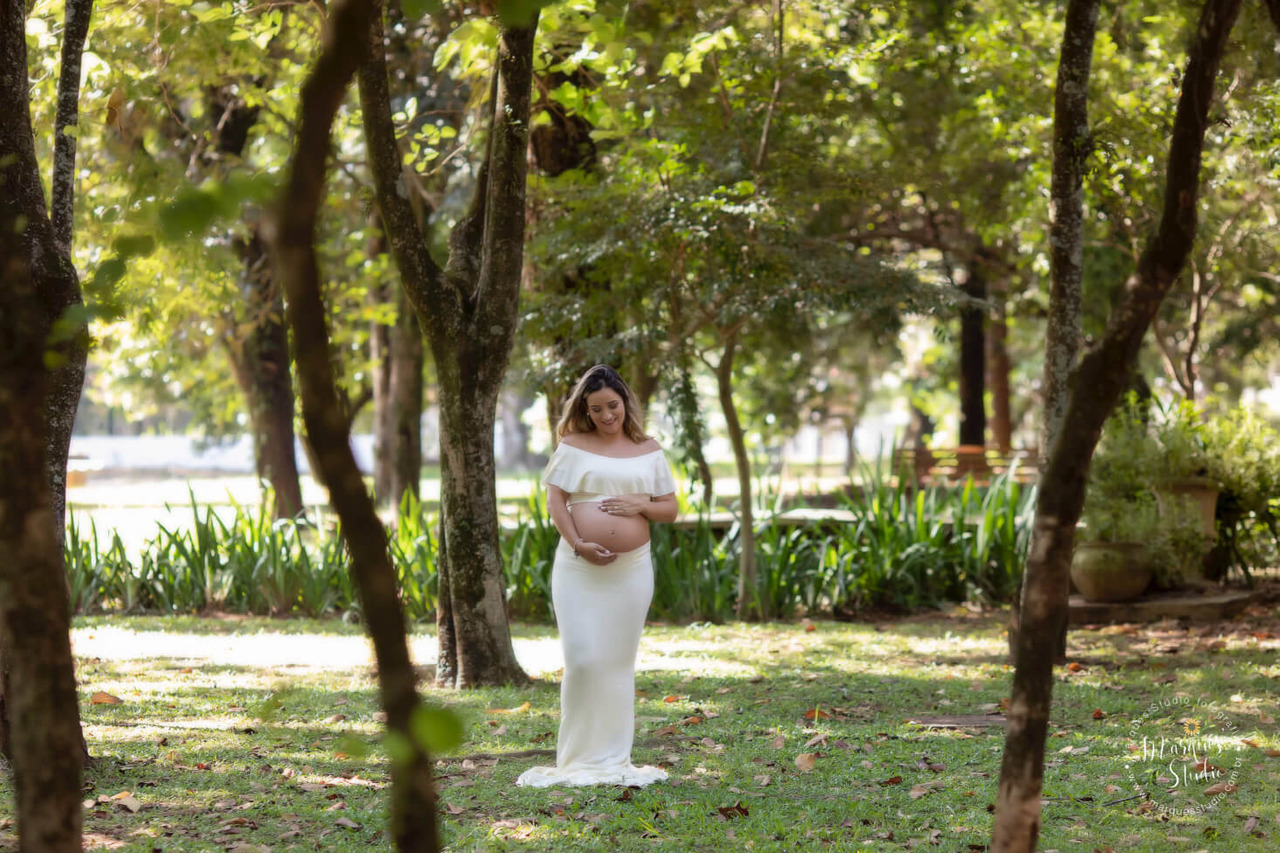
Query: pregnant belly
x: 617, y: 533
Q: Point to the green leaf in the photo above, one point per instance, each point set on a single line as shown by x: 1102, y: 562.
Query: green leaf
x: 133, y: 245
x: 437, y: 729
x: 417, y: 9
x: 108, y: 273
x: 191, y: 212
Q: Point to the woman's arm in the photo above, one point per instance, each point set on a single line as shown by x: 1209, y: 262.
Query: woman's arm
x: 558, y: 509
x: 653, y: 507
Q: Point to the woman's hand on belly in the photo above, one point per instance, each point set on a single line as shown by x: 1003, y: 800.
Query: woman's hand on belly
x: 617, y: 533
x: 595, y: 553
x: 625, y: 505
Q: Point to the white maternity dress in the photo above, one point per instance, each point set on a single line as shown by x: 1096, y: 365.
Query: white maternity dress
x: 600, y: 611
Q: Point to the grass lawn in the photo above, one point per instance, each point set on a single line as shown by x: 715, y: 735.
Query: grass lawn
x: 776, y: 738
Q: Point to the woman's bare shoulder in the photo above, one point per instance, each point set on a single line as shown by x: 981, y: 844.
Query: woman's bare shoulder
x: 649, y: 445
x: 573, y: 439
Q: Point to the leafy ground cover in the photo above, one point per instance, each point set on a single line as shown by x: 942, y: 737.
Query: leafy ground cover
x: 776, y: 736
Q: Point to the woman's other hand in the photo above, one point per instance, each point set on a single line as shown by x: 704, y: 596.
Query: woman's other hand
x: 595, y: 553
x: 625, y: 505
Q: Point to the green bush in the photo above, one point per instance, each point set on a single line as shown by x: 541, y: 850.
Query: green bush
x: 905, y: 549
x: 1245, y: 456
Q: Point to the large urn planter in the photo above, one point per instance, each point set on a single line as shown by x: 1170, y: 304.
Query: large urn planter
x: 1203, y: 494
x: 1110, y: 571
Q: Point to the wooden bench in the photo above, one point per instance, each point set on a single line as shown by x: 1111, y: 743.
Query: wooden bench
x: 952, y: 465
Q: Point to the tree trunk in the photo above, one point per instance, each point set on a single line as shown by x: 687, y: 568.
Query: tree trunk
x: 407, y: 388
x: 468, y: 313
x: 1094, y: 389
x: 748, y: 594
x: 399, y: 358
x: 515, y: 432
x: 58, y: 296
x: 480, y: 636
x: 413, y: 803
x: 267, y: 378
x: 973, y: 411
x: 383, y: 413
x: 39, y: 715
x: 998, y: 379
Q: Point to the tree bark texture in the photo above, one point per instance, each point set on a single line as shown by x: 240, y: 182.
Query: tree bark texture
x: 1064, y: 325
x: 267, y: 378
x: 412, y: 808
x: 973, y: 356
x: 399, y: 358
x: 407, y: 388
x: 62, y: 292
x: 467, y: 312
x: 1094, y: 389
x: 748, y: 599
x: 38, y: 705
x: 998, y: 368
x: 1071, y: 144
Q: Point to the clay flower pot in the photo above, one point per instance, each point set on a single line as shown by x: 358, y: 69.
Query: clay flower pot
x: 1110, y: 571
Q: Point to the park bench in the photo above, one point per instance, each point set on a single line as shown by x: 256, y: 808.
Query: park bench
x: 930, y: 466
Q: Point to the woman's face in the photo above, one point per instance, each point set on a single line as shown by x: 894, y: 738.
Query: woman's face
x: 606, y: 410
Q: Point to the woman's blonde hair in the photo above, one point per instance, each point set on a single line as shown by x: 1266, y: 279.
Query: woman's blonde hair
x: 576, y: 418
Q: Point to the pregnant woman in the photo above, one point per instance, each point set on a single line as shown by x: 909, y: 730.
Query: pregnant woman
x: 605, y: 483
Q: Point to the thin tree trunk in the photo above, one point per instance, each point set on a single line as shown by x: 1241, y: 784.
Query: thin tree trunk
x: 973, y: 412
x: 748, y: 597
x: 515, y: 432
x: 998, y: 379
x: 383, y: 413
x: 413, y: 804
x: 407, y: 387
x: 1064, y: 329
x: 1095, y: 387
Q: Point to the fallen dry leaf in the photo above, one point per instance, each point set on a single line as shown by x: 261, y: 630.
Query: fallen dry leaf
x: 1075, y: 667
x: 816, y: 740
x: 130, y: 803
x: 730, y: 812
x: 918, y: 791
x: 778, y: 742
x: 762, y: 780
x: 452, y: 809
x: 1220, y: 788
x: 892, y: 780
x: 101, y: 698
x: 520, y: 710
x: 1251, y: 824
x: 666, y: 731
x: 816, y: 714
x: 348, y: 823
x: 1099, y: 714
x: 806, y: 761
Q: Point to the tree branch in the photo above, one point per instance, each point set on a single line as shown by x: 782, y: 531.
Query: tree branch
x: 763, y: 151
x: 498, y: 284
x: 74, y: 34
x: 422, y: 277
